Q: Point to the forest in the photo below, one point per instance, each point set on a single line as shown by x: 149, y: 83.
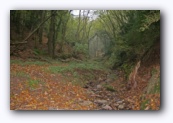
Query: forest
x: 85, y: 60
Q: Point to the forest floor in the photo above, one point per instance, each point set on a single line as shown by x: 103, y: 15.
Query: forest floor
x: 37, y: 85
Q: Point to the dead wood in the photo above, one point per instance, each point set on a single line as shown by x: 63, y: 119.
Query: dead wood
x: 17, y: 43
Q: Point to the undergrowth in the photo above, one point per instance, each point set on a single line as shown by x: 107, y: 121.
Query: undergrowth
x: 33, y: 84
x: 23, y: 63
x: 75, y: 65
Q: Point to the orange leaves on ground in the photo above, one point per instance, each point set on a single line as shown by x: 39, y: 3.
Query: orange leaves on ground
x: 153, y: 102
x: 34, y: 88
x: 50, y: 91
x: 136, y: 98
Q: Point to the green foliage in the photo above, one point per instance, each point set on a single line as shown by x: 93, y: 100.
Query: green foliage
x: 112, y: 61
x: 58, y: 69
x: 75, y: 65
x: 135, y: 34
x: 127, y: 69
x: 156, y: 88
x: 154, y: 71
x: 75, y: 74
x: 81, y: 48
x: 21, y: 74
x: 143, y: 104
x: 109, y: 88
x: 33, y: 83
x: 27, y: 62
x: 88, y: 76
x: 65, y: 56
x: 131, y: 32
x: 150, y: 18
x: 38, y: 52
x: 153, y: 86
x: 15, y: 61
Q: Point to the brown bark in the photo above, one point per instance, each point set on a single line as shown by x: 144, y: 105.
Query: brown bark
x: 51, y: 40
x: 64, y: 28
x: 132, y: 83
x: 41, y: 28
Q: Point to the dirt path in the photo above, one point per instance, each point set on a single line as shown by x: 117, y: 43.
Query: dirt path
x: 34, y: 87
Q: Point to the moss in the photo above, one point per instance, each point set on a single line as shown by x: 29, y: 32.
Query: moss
x: 75, y: 65
x: 156, y: 88
x: 143, y: 104
x: 154, y: 71
x: 109, y: 88
x: 33, y: 84
x: 154, y: 82
x: 127, y: 68
x: 20, y: 74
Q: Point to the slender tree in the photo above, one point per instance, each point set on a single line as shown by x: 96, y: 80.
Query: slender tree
x: 51, y: 39
x: 42, y: 14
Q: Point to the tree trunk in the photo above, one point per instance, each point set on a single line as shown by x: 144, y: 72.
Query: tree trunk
x: 51, y: 40
x: 42, y: 27
x: 84, y: 36
x: 64, y: 28
x: 17, y: 21
x: 77, y: 32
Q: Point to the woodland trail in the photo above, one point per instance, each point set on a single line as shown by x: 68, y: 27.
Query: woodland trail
x: 62, y: 86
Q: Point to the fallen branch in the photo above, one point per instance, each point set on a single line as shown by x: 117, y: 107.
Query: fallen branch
x: 38, y: 27
x: 70, y: 59
x: 16, y: 43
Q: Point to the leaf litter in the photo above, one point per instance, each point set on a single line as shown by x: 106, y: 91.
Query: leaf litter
x: 39, y: 89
